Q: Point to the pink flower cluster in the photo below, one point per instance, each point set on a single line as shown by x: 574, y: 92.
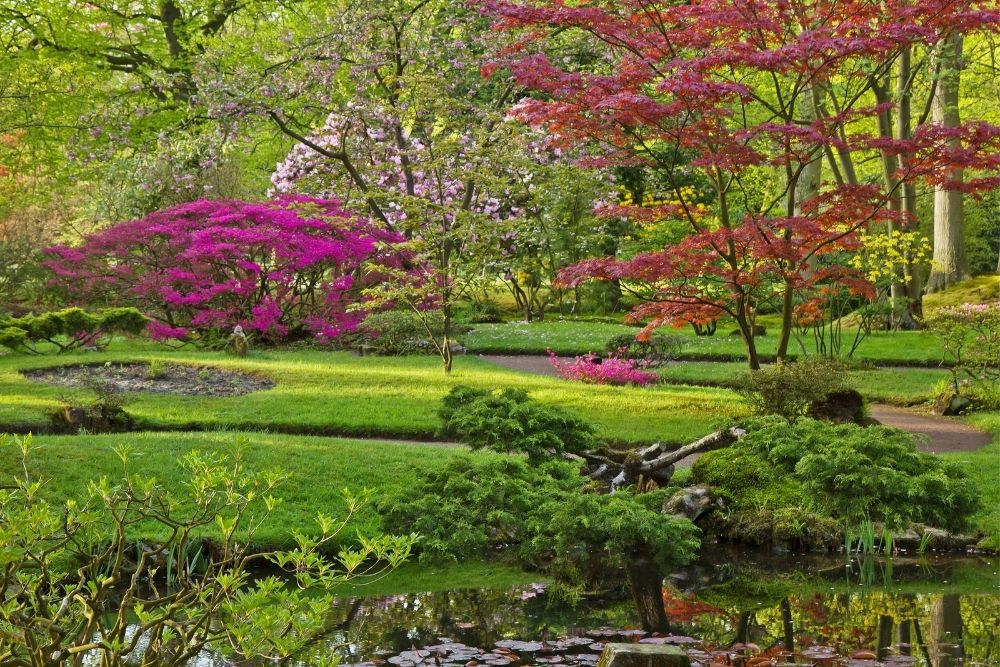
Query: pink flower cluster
x: 286, y: 268
x: 607, y: 370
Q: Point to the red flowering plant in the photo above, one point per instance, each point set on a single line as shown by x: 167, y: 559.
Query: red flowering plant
x: 776, y: 106
x: 603, y: 370
x: 285, y: 269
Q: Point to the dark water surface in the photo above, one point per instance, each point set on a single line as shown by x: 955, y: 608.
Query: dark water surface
x: 936, y: 611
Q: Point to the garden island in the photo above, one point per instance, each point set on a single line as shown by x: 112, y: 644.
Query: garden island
x: 500, y: 332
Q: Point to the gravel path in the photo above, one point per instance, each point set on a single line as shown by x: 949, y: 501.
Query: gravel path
x: 942, y: 434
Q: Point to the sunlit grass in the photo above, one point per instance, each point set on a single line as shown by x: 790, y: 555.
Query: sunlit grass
x: 336, y: 393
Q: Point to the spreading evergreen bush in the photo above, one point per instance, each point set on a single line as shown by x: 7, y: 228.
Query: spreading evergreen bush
x: 788, y: 389
x: 508, y: 420
x: 656, y: 350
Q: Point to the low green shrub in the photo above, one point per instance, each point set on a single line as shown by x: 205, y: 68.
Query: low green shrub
x: 657, y: 350
x: 539, y: 514
x: 69, y: 329
x: 398, y: 333
x: 482, y: 312
x: 507, y: 420
x: 788, y: 389
x: 853, y: 472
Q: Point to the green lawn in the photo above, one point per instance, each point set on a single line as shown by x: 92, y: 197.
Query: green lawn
x: 899, y: 386
x: 983, y: 467
x: 570, y: 337
x: 336, y: 393
x: 319, y: 469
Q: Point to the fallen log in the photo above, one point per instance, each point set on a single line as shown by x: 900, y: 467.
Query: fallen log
x: 654, y: 462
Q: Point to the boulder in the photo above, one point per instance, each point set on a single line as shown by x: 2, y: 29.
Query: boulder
x: 845, y: 406
x: 949, y: 404
x: 643, y: 655
x: 693, y: 501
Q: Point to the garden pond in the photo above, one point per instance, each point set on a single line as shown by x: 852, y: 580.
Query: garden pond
x: 732, y: 605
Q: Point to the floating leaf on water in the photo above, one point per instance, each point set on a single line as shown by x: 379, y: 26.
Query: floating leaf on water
x: 524, y: 647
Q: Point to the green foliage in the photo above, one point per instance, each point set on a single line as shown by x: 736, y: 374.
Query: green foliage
x: 656, y: 350
x: 970, y: 337
x: 473, y: 507
x: 210, y: 603
x: 69, y: 329
x: 788, y: 389
x: 104, y: 413
x: 507, y: 420
x: 853, y: 472
x: 470, y: 507
x: 397, y: 333
x: 484, y: 311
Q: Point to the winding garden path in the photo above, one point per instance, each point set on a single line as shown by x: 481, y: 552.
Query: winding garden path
x: 941, y: 434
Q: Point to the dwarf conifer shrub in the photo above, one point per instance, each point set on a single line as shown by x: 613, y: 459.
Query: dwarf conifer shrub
x: 508, y: 420
x: 69, y: 329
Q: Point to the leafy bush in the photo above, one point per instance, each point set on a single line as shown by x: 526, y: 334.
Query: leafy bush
x: 483, y: 312
x: 507, y: 420
x: 855, y: 472
x: 656, y: 350
x: 85, y: 550
x: 69, y: 329
x: 105, y: 413
x: 788, y: 389
x: 473, y: 507
x: 284, y: 269
x: 970, y: 337
x: 397, y: 333
x: 610, y: 370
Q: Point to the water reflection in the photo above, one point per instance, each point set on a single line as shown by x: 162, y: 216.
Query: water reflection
x: 935, y: 613
x: 809, y: 610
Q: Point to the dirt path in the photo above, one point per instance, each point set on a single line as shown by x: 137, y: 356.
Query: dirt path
x: 941, y: 434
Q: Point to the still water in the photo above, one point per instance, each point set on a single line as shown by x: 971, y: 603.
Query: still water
x: 732, y: 606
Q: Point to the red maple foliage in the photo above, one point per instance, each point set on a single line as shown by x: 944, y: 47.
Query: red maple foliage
x: 750, y: 96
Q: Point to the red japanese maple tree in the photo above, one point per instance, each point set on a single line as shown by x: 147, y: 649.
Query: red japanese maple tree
x: 753, y: 97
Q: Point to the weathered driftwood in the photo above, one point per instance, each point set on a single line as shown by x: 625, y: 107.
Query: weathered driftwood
x: 654, y: 463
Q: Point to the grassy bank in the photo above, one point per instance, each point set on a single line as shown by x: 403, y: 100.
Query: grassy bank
x: 983, y: 467
x: 318, y: 468
x: 339, y: 394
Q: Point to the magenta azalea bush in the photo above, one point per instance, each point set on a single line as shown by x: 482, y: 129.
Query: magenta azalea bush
x: 285, y: 269
x: 606, y: 370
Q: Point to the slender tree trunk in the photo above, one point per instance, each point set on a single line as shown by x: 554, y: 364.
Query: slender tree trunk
x: 946, y: 631
x: 908, y: 196
x: 950, y: 265
x: 645, y: 581
x: 885, y: 624
x: 788, y: 627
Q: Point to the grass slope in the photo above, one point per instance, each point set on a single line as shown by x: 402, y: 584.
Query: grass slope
x: 319, y: 469
x: 336, y: 393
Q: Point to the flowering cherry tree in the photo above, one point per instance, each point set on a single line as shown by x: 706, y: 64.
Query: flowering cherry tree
x: 285, y: 269
x: 759, y: 99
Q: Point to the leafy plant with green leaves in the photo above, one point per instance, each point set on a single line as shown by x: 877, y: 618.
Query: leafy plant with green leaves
x: 95, y: 593
x: 508, y: 420
x: 69, y: 329
x: 656, y: 350
x: 970, y: 337
x: 856, y: 472
x: 539, y: 513
x: 788, y: 388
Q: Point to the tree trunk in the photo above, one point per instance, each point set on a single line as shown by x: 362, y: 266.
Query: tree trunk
x: 908, y: 197
x: 788, y: 627
x: 645, y: 582
x: 950, y: 265
x: 946, y: 631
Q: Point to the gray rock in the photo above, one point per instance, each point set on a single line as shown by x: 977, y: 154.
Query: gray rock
x: 908, y: 539
x: 643, y: 655
x: 693, y: 501
x: 950, y: 404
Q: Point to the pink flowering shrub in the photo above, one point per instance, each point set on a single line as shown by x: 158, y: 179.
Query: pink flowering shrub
x: 607, y: 370
x: 285, y: 269
x: 970, y: 338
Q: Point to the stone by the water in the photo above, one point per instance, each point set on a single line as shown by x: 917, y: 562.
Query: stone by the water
x: 643, y: 655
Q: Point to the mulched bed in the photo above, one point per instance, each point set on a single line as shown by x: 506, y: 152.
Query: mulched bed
x: 168, y: 379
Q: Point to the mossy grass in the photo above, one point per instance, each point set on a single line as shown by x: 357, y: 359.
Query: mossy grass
x: 337, y: 393
x: 566, y: 337
x: 983, y: 468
